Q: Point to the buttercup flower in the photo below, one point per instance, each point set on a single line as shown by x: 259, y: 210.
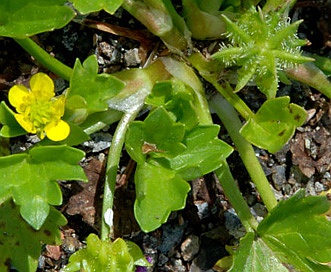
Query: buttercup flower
x: 38, y: 110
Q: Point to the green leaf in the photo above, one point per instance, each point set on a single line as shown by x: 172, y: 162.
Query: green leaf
x: 254, y: 255
x: 177, y: 98
x: 159, y: 191
x: 186, y: 74
x: 162, y: 19
x: 299, y: 230
x: 89, y: 91
x: 137, y: 255
x: 4, y: 146
x: 202, y: 31
x: 267, y: 79
x: 22, y: 18
x: 204, y: 153
x: 87, y: 6
x: 10, y: 127
x: 106, y: 256
x: 295, y: 232
x: 30, y: 179
x: 274, y: 124
x: 20, y: 245
x: 157, y: 136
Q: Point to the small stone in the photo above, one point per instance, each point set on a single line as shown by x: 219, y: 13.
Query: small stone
x: 131, y: 57
x: 203, y: 209
x: 233, y: 224
x: 190, y: 247
x: 260, y: 209
x: 171, y: 237
x: 175, y: 265
x: 162, y: 259
x: 279, y: 176
x: 310, y: 188
x: 319, y: 187
x: 195, y: 268
x: 99, y: 141
x: 41, y: 262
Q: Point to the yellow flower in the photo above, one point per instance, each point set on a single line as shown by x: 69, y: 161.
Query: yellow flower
x: 38, y: 110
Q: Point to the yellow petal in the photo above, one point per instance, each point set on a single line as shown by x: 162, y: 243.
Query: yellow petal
x: 17, y: 94
x: 42, y: 85
x: 59, y: 105
x: 25, y: 123
x: 57, y: 132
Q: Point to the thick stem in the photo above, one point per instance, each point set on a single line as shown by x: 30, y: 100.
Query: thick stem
x: 233, y: 194
x: 111, y: 173
x: 231, y: 121
x: 45, y: 59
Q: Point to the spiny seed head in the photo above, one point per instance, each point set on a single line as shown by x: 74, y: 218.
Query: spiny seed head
x: 267, y: 42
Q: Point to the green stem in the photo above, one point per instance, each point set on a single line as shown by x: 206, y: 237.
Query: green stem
x: 161, y: 19
x: 111, y: 171
x: 233, y: 99
x: 232, y: 123
x: 210, y: 70
x: 45, y: 59
x: 233, y: 194
x: 309, y: 74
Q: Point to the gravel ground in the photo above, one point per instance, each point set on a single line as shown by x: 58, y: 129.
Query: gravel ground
x: 193, y: 239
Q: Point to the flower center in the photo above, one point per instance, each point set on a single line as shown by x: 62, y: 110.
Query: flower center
x: 39, y: 111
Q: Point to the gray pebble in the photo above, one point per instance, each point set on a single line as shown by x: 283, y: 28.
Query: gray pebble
x: 190, y: 247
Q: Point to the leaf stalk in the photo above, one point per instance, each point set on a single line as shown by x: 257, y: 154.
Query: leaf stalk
x: 45, y: 59
x: 232, y: 123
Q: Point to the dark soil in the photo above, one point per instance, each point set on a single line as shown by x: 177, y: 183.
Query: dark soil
x: 193, y: 239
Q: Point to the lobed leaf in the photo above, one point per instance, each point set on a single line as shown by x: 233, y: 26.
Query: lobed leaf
x: 159, y: 191
x: 299, y: 230
x: 89, y: 91
x: 177, y: 98
x: 273, y: 124
x: 254, y: 255
x: 143, y: 142
x: 204, y: 153
x: 30, y: 179
x: 20, y: 244
x: 87, y: 6
x: 295, y: 232
x: 106, y: 256
x: 23, y: 18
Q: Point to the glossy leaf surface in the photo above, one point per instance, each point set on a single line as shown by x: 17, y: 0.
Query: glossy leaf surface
x: 295, y: 232
x: 159, y: 191
x: 89, y: 91
x: 23, y: 18
x: 177, y: 98
x: 167, y: 156
x: 204, y: 153
x: 30, y: 179
x: 254, y: 255
x: 274, y: 124
x: 106, y: 256
x: 157, y: 136
x: 20, y: 244
x: 87, y: 6
x: 10, y: 127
